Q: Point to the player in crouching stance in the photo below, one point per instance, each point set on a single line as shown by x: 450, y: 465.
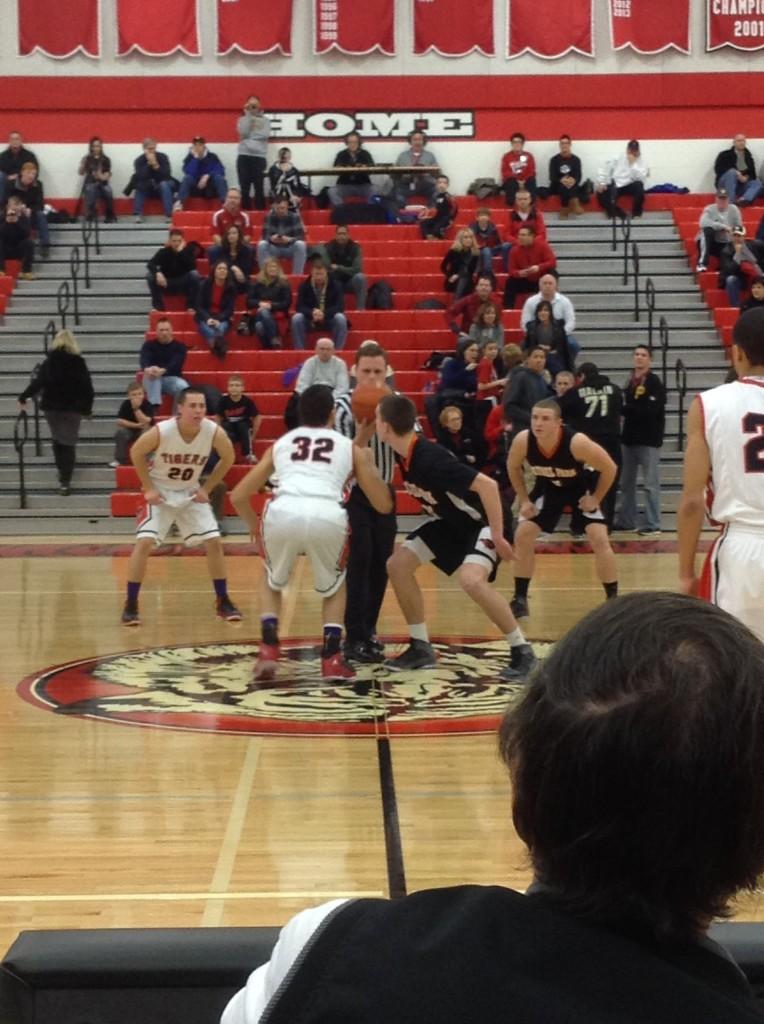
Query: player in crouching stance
x: 313, y: 464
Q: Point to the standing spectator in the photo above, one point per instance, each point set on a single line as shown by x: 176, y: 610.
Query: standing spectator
x: 467, y: 308
x: 239, y: 257
x: 16, y: 240
x: 239, y: 417
x: 406, y: 186
x: 285, y: 179
x: 172, y: 270
x: 735, y: 171
x: 487, y: 326
x: 320, y: 307
x: 440, y: 214
x: 489, y: 385
x: 489, y: 241
x: 547, y: 332
x: 565, y: 176
x: 741, y: 262
x: 624, y: 175
x: 525, y: 213
x: 716, y: 224
x: 214, y: 308
x: 203, y: 172
x: 283, y: 236
x: 269, y: 294
x: 518, y: 169
x: 644, y: 414
x: 152, y: 176
x: 529, y: 260
x: 254, y: 128
x: 461, y: 263
x: 324, y: 368
x: 230, y: 213
x: 527, y: 385
x: 28, y: 190
x: 357, y: 183
x: 67, y: 396
x: 135, y: 416
x: 12, y: 160
x: 161, y: 361
x: 343, y: 258
x: 95, y: 168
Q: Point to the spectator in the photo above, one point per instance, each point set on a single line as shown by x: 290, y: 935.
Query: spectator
x: 239, y: 257
x: 526, y: 385
x: 254, y: 128
x: 489, y: 385
x: 487, y: 326
x: 269, y: 294
x: 172, y: 271
x: 467, y: 308
x: 95, y: 168
x: 283, y: 236
x: 563, y: 382
x: 562, y: 308
x: 152, y: 177
x: 12, y: 160
x: 343, y: 258
x: 285, y: 180
x: 230, y: 213
x: 529, y: 260
x: 464, y: 442
x: 518, y: 169
x: 16, y: 240
x: 239, y: 417
x: 356, y: 183
x: 406, y: 186
x: 565, y: 176
x: 756, y: 300
x: 735, y: 171
x: 161, y: 361
x: 67, y: 396
x: 203, y: 173
x: 489, y: 241
x: 741, y: 261
x: 525, y: 213
x: 319, y: 307
x: 214, y: 308
x: 461, y: 263
x: 716, y: 223
x: 324, y: 368
x: 440, y: 214
x: 457, y: 384
x: 623, y: 176
x: 28, y: 190
x: 135, y: 416
x: 546, y: 332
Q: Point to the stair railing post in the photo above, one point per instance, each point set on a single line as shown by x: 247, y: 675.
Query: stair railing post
x: 75, y: 263
x: 20, y: 435
x: 63, y: 298
x: 663, y: 333
x: 650, y: 303
x: 635, y: 265
x: 626, y: 232
x: 680, y: 373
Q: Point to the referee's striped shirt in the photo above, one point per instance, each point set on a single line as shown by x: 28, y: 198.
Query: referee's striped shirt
x: 344, y: 422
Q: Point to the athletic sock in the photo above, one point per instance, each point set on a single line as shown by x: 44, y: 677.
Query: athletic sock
x: 133, y: 589
x: 332, y: 638
x: 269, y: 626
x: 418, y: 631
x: 611, y: 589
x: 521, y: 585
x: 515, y: 638
x: 221, y: 587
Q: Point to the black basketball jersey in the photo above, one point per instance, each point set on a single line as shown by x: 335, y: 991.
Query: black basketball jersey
x: 559, y: 468
x: 593, y: 408
x: 441, y: 484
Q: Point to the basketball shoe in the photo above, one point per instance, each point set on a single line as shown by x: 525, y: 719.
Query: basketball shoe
x: 519, y: 607
x: 267, y: 661
x: 130, y: 616
x: 227, y: 610
x: 334, y: 666
x: 418, y: 654
x: 522, y: 661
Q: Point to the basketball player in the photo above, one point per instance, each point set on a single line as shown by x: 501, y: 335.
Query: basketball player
x: 562, y: 462
x: 465, y: 535
x: 313, y: 464
x: 180, y: 447
x: 724, y: 473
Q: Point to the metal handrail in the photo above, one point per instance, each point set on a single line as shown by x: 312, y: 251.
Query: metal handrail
x: 663, y: 336
x: 614, y: 242
x: 90, y: 231
x: 20, y: 436
x: 63, y: 298
x: 635, y: 265
x: 680, y: 374
x: 48, y: 335
x: 650, y: 303
x: 75, y: 263
x: 626, y: 232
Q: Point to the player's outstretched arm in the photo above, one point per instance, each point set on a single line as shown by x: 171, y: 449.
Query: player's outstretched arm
x: 222, y: 445
x: 691, y: 511
x: 488, y: 492
x: 594, y: 455
x: 371, y: 483
x: 517, y: 456
x: 139, y: 453
x: 251, y: 484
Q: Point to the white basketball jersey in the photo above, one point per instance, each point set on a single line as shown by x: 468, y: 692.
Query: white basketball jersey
x: 178, y: 464
x: 733, y: 423
x: 313, y: 462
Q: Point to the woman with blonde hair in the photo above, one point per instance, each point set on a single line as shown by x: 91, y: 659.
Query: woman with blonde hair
x: 461, y: 263
x: 269, y: 294
x: 67, y: 396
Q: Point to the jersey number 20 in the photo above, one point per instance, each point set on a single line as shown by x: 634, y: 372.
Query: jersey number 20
x: 753, y: 450
x: 316, y: 449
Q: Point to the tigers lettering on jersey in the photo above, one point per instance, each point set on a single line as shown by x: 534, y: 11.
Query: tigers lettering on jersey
x: 182, y: 458
x: 178, y: 464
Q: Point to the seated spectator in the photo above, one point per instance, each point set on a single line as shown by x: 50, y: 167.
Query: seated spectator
x: 356, y: 184
x: 343, y: 258
x: 319, y: 307
x: 716, y: 223
x: 285, y: 181
x: 230, y: 213
x: 464, y: 442
x: 239, y: 257
x: 487, y: 326
x: 324, y: 368
x: 283, y: 236
x: 458, y: 378
x: 16, y: 240
x: 135, y: 417
x: 565, y: 177
x: 28, y: 190
x: 439, y: 216
x: 239, y: 417
x: 563, y: 382
x: 490, y: 386
x: 544, y: 331
x: 489, y: 241
x: 527, y: 384
x: 203, y: 174
x: 406, y: 186
x: 461, y: 263
x: 161, y: 361
x: 12, y: 160
x: 95, y: 168
x: 741, y: 261
x: 268, y: 295
x: 462, y: 313
x: 525, y: 213
x: 518, y: 169
x: 529, y: 260
x: 735, y: 171
x: 152, y: 177
x: 172, y: 271
x: 756, y: 299
x: 562, y: 308
x: 624, y: 175
x: 214, y: 308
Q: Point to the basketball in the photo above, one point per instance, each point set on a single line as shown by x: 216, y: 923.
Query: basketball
x: 366, y: 398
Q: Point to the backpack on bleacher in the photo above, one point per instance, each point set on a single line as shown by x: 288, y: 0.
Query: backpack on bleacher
x: 484, y: 188
x: 380, y: 296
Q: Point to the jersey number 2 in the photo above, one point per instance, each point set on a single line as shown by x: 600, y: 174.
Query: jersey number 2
x: 753, y: 450
x: 317, y: 450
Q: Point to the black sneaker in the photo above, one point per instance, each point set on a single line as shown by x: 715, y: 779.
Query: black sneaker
x: 130, y: 616
x: 521, y: 663
x: 227, y: 610
x: 418, y: 654
x: 519, y: 607
x: 376, y: 644
x: 363, y: 653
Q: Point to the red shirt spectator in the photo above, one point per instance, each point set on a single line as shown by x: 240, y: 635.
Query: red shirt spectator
x: 230, y: 213
x: 467, y: 307
x: 532, y: 260
x: 525, y: 214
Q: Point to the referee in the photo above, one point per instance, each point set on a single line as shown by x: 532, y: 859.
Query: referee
x: 372, y: 534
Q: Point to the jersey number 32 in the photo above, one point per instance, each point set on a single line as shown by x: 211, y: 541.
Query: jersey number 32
x: 316, y: 449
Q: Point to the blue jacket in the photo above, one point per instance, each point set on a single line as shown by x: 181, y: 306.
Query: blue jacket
x: 197, y: 166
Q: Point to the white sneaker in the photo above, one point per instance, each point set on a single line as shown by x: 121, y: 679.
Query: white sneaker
x: 114, y: 464
x: 700, y: 268
x: 177, y: 206
x: 252, y: 459
x: 139, y: 220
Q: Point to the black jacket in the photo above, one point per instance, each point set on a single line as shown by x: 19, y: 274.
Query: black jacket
x: 30, y: 195
x: 523, y: 390
x: 144, y: 175
x: 204, y: 298
x: 461, y: 262
x: 307, y: 300
x: 644, y: 412
x: 361, y: 158
x: 64, y: 380
x: 171, y: 263
x: 11, y: 163
x: 727, y: 159
x: 279, y: 294
x: 559, y: 342
x: 170, y: 356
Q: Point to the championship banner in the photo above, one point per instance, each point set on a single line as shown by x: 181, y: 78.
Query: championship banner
x: 157, y: 30
x: 441, y: 25
x: 547, y: 29
x: 354, y: 26
x: 252, y: 27
x: 736, y: 23
x: 650, y: 26
x: 59, y: 30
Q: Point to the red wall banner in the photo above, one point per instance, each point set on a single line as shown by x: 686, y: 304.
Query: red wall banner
x: 354, y: 26
x: 545, y: 29
x: 650, y: 26
x: 157, y: 29
x: 441, y: 25
x: 253, y: 27
x: 729, y: 23
x: 59, y: 30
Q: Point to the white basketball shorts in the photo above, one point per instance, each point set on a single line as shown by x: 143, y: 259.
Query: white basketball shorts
x: 305, y: 526
x: 733, y: 575
x: 195, y: 521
